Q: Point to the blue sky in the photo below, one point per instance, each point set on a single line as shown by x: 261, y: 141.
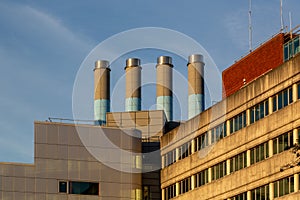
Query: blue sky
x: 42, y: 45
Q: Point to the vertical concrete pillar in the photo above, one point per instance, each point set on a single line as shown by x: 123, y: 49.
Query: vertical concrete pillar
x: 295, y: 92
x: 248, y: 158
x: 271, y: 191
x: 101, y: 91
x: 270, y: 105
x: 164, y: 86
x: 133, y: 84
x: 249, y: 195
x: 193, y: 182
x: 163, y: 161
x: 295, y: 136
x: 193, y: 146
x: 271, y: 148
x: 296, y: 182
x: 228, y: 167
x: 177, y: 154
x: 177, y: 188
x: 247, y: 117
x: 209, y: 174
x: 209, y: 137
x: 196, y: 85
x: 163, y: 194
x: 227, y: 127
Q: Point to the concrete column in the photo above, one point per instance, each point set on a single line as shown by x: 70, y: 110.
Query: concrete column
x: 193, y: 146
x: 177, y: 154
x: 227, y: 127
x: 270, y: 105
x: 249, y: 195
x: 209, y: 137
x: 295, y: 92
x: 228, y: 167
x: 296, y: 182
x: 101, y: 91
x: 248, y: 158
x: 271, y: 148
x: 196, y: 85
x: 209, y: 174
x: 164, y: 86
x: 163, y: 194
x: 163, y: 161
x: 133, y: 85
x: 271, y: 191
x: 295, y: 136
x: 247, y: 117
x: 177, y: 188
x: 193, y: 182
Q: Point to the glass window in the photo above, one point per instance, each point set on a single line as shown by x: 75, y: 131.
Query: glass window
x: 62, y: 187
x: 185, y: 150
x: 83, y: 188
x: 242, y: 196
x: 259, y: 153
x: 282, y: 99
x: 185, y: 185
x: 201, y: 142
x: 170, y: 191
x: 284, y: 186
x: 201, y: 178
x: 283, y: 142
x: 238, y: 162
x: 219, y: 170
x: 260, y: 193
x: 259, y: 111
x: 238, y: 122
x: 286, y: 52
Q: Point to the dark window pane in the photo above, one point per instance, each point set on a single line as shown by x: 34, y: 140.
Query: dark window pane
x: 286, y: 52
x: 267, y: 107
x: 252, y: 115
x: 274, y: 103
x: 84, y: 188
x: 63, y: 186
x: 285, y: 98
x: 298, y: 91
x: 290, y: 95
x: 279, y: 100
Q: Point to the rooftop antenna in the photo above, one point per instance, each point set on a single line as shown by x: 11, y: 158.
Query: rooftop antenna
x: 290, y: 17
x: 281, y: 17
x: 250, y: 25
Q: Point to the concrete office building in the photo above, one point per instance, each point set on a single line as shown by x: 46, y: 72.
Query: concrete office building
x: 240, y: 148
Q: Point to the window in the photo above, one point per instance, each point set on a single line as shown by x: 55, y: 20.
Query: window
x: 259, y: 111
x: 242, y: 196
x: 282, y: 99
x: 284, y: 186
x: 283, y: 142
x: 259, y: 153
x: 185, y: 150
x: 170, y: 191
x: 260, y: 193
x: 201, y: 178
x: 62, y: 186
x: 291, y: 48
x: 201, y: 142
x: 238, y: 122
x: 219, y: 170
x: 83, y: 188
x: 238, y: 162
x: 218, y: 132
x: 170, y: 157
x: 185, y: 185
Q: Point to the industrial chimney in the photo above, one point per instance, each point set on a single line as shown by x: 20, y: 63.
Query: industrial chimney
x: 101, y: 91
x: 164, y: 87
x: 133, y: 84
x: 196, y: 85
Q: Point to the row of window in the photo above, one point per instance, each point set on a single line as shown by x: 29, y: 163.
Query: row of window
x: 76, y: 187
x: 170, y: 192
x: 282, y: 187
x: 257, y: 154
x: 291, y: 48
x: 257, y: 112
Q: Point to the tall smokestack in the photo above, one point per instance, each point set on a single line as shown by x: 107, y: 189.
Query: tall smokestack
x: 164, y: 87
x: 196, y: 85
x: 101, y: 91
x: 133, y: 84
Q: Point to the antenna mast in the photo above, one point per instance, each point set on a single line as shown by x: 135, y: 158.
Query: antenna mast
x: 250, y: 25
x: 281, y: 17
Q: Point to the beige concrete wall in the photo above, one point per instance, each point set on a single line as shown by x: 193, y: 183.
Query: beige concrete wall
x: 61, y: 155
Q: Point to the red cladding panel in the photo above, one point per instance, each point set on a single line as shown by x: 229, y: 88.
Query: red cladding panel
x: 266, y: 57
